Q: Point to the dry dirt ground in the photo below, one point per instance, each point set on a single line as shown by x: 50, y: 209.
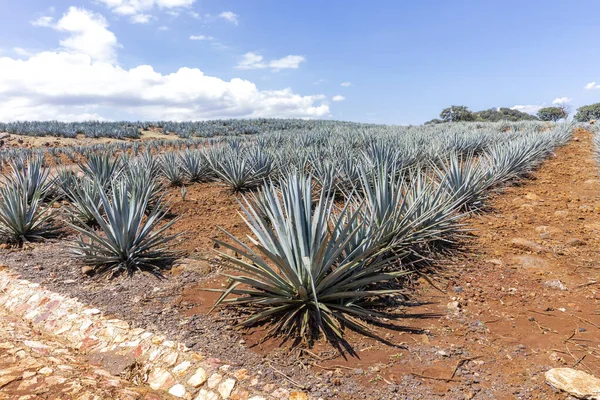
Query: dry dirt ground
x: 25, y: 141
x: 523, y: 297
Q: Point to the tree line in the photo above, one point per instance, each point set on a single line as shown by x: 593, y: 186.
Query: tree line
x: 555, y: 113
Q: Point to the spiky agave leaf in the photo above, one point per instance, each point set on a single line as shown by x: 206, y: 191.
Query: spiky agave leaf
x: 23, y: 218
x: 127, y: 239
x: 465, y: 177
x: 236, y: 170
x: 194, y: 164
x: 84, y: 200
x: 300, y: 279
x: 30, y: 173
x: 171, y: 169
x: 102, y: 167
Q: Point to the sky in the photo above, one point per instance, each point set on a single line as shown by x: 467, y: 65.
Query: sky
x: 393, y: 62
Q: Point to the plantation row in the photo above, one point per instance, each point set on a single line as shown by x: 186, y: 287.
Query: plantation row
x: 132, y: 130
x: 337, y: 215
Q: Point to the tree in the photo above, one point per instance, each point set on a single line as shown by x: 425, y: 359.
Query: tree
x: 456, y: 113
x: 588, y: 113
x: 503, y: 114
x: 552, y: 113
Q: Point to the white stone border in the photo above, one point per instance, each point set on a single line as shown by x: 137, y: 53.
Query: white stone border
x: 170, y: 366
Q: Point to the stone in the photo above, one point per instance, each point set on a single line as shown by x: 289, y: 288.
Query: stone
x: 528, y: 245
x: 46, y: 371
x: 554, y: 284
x: 198, y: 378
x: 561, y: 213
x: 574, y: 242
x: 281, y: 393
x: 178, y: 391
x: 298, y: 396
x: 577, y: 383
x: 191, y: 264
x: 182, y: 368
x: 214, y: 380
x: 530, y: 262
x: 161, y: 379
x: 207, y: 395
x: 225, y: 387
x: 87, y: 270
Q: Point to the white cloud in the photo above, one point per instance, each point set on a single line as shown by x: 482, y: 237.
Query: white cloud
x: 529, y: 108
x: 346, y: 84
x: 201, y: 37
x: 133, y: 7
x: 45, y: 21
x: 338, y: 98
x: 83, y: 81
x: 592, y: 85
x: 22, y: 52
x: 163, y: 28
x: 287, y: 62
x: 141, y: 18
x: 230, y: 16
x: 561, y: 100
x: 88, y: 34
x: 253, y: 60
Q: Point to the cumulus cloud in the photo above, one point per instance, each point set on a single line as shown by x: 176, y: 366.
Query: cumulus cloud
x: 201, y: 37
x: 346, y: 84
x: 87, y: 34
x: 83, y: 81
x: 561, y: 100
x: 139, y: 10
x: 132, y: 7
x: 592, y: 85
x: 529, y: 108
x: 141, y: 18
x: 230, y: 16
x: 45, y: 21
x: 22, y: 52
x: 338, y: 98
x: 253, y: 60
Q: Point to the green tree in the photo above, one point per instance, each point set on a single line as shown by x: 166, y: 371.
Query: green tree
x: 456, y: 113
x: 552, y: 113
x: 503, y: 114
x: 588, y: 113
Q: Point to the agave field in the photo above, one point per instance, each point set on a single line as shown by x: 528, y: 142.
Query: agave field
x: 330, y: 223
x: 339, y: 214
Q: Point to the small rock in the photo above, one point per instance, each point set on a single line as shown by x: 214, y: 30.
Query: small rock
x: 198, y: 378
x: 555, y: 284
x: 177, y: 390
x: 530, y: 261
x: 528, y: 245
x: 577, y: 383
x: 87, y: 270
x: 575, y: 242
x: 561, y: 213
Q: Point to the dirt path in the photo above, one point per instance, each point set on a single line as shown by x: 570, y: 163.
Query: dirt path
x: 527, y: 298
x: 33, y: 366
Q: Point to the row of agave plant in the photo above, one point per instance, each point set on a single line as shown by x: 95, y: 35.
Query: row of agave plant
x: 335, y: 218
x: 129, y: 129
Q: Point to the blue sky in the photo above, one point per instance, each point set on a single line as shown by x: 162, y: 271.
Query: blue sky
x: 401, y: 62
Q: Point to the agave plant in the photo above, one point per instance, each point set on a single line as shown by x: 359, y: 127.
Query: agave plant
x: 84, y: 200
x: 465, y: 177
x: 30, y: 174
x: 171, y: 170
x: 195, y: 165
x: 23, y: 218
x: 102, y: 168
x: 237, y: 171
x: 299, y: 278
x: 127, y: 240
